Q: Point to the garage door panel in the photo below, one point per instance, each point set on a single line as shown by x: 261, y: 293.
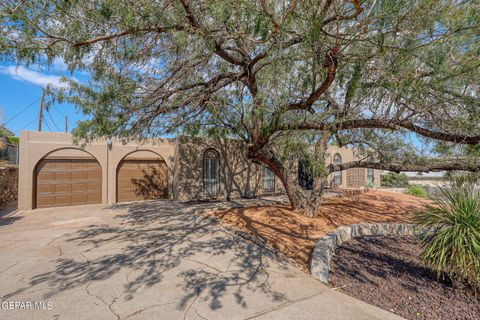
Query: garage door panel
x: 93, y: 198
x: 142, y: 180
x: 43, y: 202
x: 92, y: 174
x: 46, y: 176
x: 62, y: 201
x: 62, y: 188
x: 79, y: 199
x: 123, y: 185
x: 79, y: 175
x: 64, y: 182
x: 45, y: 188
x: 63, y: 164
x: 78, y: 187
x: 93, y: 186
x: 81, y: 164
x: 63, y: 176
x: 46, y: 165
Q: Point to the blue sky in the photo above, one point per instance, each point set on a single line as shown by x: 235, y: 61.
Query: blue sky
x: 21, y: 88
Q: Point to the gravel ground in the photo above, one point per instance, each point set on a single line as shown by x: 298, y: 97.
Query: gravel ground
x: 386, y: 272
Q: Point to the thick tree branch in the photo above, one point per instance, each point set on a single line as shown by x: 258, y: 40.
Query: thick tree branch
x: 330, y: 66
x: 358, y: 10
x: 384, y: 124
x: 439, y: 166
x: 121, y: 34
x: 218, y: 48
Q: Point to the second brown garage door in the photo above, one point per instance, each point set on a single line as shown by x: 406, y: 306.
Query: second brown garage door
x: 142, y: 180
x: 67, y: 182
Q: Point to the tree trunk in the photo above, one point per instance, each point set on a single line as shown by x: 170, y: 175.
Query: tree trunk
x: 305, y: 202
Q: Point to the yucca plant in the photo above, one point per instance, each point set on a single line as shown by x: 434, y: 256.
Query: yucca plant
x: 417, y: 191
x: 452, y: 241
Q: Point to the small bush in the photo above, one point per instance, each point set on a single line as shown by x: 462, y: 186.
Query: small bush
x: 13, y: 140
x: 452, y: 244
x: 394, y: 180
x: 417, y: 191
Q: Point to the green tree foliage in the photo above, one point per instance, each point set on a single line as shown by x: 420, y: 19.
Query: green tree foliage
x: 394, y: 180
x: 453, y: 243
x: 395, y: 79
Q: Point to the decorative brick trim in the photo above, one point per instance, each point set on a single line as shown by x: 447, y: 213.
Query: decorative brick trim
x: 325, y: 248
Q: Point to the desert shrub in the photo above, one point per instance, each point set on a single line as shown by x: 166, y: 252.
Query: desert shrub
x: 417, y: 191
x: 394, y: 180
x: 13, y: 140
x: 461, y: 178
x: 452, y: 243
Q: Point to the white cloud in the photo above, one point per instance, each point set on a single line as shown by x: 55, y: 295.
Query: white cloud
x: 37, y: 78
x: 59, y: 64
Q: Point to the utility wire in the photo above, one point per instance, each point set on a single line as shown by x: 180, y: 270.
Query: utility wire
x: 48, y: 126
x: 23, y: 110
x: 63, y: 114
x: 53, y: 121
x: 34, y: 119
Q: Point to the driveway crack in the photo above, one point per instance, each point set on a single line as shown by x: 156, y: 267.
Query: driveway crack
x: 9, y: 267
x: 282, y: 305
x: 60, y: 251
x: 206, y: 265
x: 190, y: 306
x: 199, y: 315
x: 109, y: 305
x: 146, y: 308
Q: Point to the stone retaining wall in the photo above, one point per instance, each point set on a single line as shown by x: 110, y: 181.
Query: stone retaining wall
x: 8, y: 185
x: 325, y: 247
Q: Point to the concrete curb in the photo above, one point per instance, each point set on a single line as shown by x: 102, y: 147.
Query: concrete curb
x: 325, y: 248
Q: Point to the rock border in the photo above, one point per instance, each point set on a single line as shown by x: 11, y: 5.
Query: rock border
x: 325, y: 247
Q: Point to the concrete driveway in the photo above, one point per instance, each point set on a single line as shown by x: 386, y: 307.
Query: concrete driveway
x: 152, y: 260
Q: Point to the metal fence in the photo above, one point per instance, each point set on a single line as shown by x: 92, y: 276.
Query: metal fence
x: 10, y: 154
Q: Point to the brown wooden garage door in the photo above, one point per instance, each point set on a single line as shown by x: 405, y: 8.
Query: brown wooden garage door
x: 67, y: 182
x: 142, y: 180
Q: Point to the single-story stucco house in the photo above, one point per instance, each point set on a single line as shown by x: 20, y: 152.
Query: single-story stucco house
x: 55, y: 172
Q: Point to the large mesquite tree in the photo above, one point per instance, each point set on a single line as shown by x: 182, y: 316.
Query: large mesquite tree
x: 397, y: 79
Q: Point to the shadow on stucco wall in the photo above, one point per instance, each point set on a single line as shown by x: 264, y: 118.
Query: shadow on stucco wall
x: 238, y: 176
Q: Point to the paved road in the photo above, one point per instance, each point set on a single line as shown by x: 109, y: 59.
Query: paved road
x: 151, y: 260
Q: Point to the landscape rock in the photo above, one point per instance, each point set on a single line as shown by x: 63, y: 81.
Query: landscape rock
x: 8, y: 184
x: 325, y: 247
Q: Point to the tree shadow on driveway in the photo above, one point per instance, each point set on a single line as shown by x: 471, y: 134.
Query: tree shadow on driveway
x: 159, y: 240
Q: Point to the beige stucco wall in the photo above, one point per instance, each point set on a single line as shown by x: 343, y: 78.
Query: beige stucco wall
x: 347, y: 156
x: 239, y: 177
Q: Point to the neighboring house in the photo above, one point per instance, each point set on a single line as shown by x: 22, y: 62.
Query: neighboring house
x: 55, y: 172
x: 432, y: 179
x: 9, y: 153
x: 8, y: 146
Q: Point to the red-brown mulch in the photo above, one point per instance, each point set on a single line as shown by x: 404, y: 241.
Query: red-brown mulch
x: 386, y: 272
x: 295, y: 235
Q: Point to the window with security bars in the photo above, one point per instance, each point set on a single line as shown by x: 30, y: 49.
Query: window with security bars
x: 211, y: 172
x: 370, y: 176
x: 337, y: 175
x: 268, y: 180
